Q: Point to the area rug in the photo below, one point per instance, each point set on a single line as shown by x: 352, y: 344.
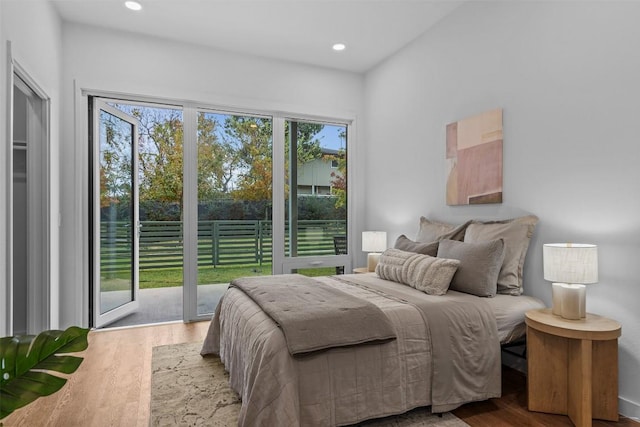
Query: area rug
x: 190, y: 390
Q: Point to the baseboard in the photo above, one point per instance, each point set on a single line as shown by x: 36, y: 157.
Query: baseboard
x: 629, y: 409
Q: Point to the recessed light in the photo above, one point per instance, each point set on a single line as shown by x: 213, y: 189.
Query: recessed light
x: 133, y: 5
x: 339, y: 46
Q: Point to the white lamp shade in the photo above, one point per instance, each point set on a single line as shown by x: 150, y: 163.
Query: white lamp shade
x: 374, y: 241
x: 573, y: 263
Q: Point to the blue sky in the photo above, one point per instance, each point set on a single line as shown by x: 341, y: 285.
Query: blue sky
x: 329, y: 137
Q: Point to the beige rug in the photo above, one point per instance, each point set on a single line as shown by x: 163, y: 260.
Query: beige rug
x: 190, y: 390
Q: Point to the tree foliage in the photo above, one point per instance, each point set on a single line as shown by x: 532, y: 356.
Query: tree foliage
x: 115, y: 161
x: 339, y: 181
x: 160, y: 154
x: 250, y: 139
x: 235, y: 157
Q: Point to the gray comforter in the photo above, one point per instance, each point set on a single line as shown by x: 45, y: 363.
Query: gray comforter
x: 446, y: 354
x: 312, y: 314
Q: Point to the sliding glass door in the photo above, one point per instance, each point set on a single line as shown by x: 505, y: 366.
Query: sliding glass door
x: 234, y: 202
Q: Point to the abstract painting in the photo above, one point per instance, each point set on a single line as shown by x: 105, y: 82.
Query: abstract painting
x: 474, y: 159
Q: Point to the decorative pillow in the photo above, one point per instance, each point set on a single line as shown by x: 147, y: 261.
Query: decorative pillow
x: 480, y: 265
x: 516, y: 234
x: 428, y: 274
x: 390, y: 265
x: 433, y: 231
x: 405, y: 244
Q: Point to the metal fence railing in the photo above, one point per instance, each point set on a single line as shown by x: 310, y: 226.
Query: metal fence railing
x: 220, y: 243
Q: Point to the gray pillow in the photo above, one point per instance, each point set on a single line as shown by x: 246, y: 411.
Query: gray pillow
x: 433, y: 231
x: 405, y: 244
x: 428, y: 274
x: 480, y: 265
x: 516, y: 234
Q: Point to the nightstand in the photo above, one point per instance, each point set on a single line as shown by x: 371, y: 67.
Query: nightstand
x: 572, y: 366
x: 361, y: 270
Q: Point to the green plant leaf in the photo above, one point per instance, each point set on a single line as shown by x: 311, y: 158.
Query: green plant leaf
x: 23, y: 358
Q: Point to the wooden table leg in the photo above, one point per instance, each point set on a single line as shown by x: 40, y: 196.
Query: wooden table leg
x: 579, y: 404
x: 605, y: 380
x: 547, y: 372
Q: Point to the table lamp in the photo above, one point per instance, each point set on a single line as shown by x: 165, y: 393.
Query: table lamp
x: 374, y: 242
x: 570, y: 266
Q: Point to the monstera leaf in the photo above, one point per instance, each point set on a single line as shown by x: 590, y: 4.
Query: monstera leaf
x: 26, y: 363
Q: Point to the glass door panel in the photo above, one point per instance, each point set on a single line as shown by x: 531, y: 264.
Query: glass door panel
x: 234, y: 202
x: 116, y: 215
x: 316, y: 198
x: 160, y: 190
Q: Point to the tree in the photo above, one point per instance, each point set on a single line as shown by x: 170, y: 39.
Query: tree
x: 250, y: 138
x: 161, y: 154
x: 339, y: 181
x: 115, y: 163
x: 217, y: 160
x: 234, y: 156
x: 308, y: 146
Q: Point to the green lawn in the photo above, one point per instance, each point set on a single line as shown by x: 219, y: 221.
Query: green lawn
x: 163, y: 278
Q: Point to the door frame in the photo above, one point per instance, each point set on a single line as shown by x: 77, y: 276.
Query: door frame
x: 39, y: 197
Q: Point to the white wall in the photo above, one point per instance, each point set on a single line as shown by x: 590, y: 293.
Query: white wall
x: 33, y: 27
x: 103, y: 60
x: 567, y: 76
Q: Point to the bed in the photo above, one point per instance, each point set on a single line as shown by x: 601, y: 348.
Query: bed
x: 445, y: 352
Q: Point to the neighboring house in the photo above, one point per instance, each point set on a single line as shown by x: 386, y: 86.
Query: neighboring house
x: 314, y: 177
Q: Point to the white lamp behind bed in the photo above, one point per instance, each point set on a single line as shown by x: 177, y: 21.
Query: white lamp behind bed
x: 571, y: 266
x: 374, y: 242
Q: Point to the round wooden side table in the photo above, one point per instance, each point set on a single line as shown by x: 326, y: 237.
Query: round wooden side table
x: 573, y: 366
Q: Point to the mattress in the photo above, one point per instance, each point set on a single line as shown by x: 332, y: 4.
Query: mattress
x: 509, y: 312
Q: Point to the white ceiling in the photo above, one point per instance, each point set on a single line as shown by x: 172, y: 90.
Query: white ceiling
x: 294, y: 30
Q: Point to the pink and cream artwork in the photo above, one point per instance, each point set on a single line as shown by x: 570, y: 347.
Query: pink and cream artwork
x: 474, y: 159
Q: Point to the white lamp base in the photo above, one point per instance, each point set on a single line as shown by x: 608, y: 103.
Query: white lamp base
x: 569, y: 301
x: 372, y: 260
x: 556, y: 299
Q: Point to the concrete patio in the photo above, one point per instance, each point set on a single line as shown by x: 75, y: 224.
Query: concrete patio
x: 165, y: 304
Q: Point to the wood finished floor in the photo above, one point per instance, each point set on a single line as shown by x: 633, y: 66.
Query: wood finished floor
x: 112, y: 387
